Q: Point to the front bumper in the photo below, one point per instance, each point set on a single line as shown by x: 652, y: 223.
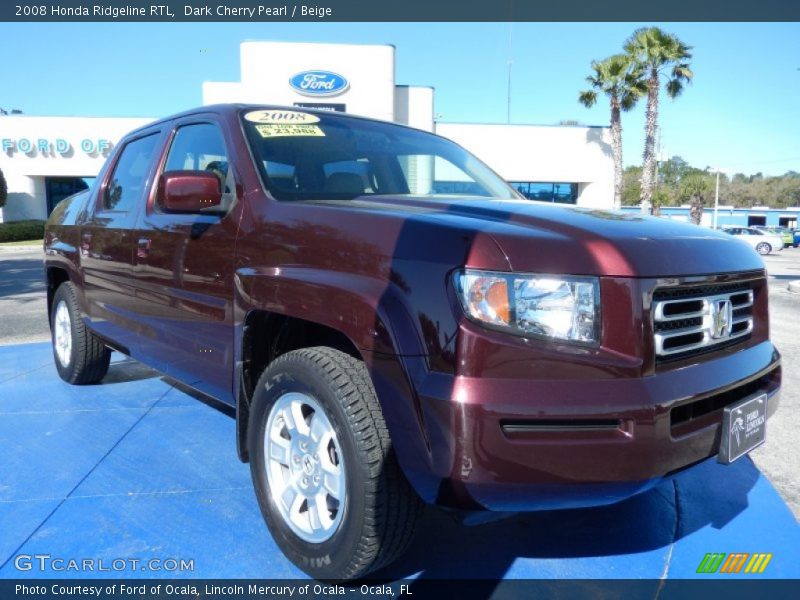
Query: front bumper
x: 522, y: 444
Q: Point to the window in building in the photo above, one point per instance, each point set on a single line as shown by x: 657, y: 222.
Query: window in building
x: 756, y: 220
x: 59, y: 188
x: 458, y: 188
x: 564, y: 193
x: 128, y: 180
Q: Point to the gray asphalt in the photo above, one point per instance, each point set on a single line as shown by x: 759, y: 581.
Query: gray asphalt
x: 780, y: 456
x: 23, y: 307
x: 23, y: 319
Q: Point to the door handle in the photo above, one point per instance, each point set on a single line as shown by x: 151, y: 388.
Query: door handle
x: 143, y: 247
x: 86, y: 243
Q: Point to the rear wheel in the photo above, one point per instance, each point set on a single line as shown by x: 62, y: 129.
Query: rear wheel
x: 80, y: 356
x: 763, y: 248
x: 326, y: 478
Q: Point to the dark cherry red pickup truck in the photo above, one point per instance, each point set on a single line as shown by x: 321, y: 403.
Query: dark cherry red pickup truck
x: 395, y: 325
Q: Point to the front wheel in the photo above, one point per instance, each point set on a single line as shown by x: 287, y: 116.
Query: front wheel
x: 763, y: 248
x: 326, y: 478
x: 80, y: 357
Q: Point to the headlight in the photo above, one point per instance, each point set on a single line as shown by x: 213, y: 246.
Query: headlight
x: 564, y: 308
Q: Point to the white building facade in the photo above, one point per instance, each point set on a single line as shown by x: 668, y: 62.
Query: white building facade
x: 44, y: 159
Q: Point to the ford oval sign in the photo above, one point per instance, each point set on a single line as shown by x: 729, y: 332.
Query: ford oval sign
x: 319, y: 83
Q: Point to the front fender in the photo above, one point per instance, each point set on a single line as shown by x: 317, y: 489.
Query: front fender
x: 375, y: 316
x: 372, y: 313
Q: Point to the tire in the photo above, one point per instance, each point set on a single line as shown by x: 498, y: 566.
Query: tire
x: 80, y: 357
x: 369, y: 512
x: 763, y: 248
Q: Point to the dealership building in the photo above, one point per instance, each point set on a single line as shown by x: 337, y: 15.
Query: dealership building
x: 731, y: 216
x: 45, y: 159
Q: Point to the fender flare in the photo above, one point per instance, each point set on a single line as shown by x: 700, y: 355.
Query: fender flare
x: 374, y: 315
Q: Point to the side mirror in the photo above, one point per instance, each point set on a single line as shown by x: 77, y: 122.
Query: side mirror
x: 189, y: 191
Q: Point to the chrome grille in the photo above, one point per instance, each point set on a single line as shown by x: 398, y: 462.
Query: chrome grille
x: 693, y: 320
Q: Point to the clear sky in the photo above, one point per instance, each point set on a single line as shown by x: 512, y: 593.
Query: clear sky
x: 742, y: 113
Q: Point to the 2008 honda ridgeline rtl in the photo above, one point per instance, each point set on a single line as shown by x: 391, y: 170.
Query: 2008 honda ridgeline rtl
x: 395, y: 325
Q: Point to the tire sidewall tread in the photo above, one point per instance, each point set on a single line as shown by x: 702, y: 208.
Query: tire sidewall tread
x: 90, y: 358
x: 381, y: 510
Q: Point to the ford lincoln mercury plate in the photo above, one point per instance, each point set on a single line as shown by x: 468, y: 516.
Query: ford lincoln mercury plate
x: 395, y: 325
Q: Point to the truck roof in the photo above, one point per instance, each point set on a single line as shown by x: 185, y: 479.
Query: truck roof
x: 231, y: 108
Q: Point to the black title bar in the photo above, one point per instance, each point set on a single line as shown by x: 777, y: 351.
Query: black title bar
x: 420, y: 589
x: 398, y: 10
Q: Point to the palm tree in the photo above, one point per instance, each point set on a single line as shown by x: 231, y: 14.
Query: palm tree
x: 657, y: 53
x: 618, y: 78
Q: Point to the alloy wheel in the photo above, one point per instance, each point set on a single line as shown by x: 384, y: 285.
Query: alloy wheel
x: 62, y: 334
x: 305, y: 467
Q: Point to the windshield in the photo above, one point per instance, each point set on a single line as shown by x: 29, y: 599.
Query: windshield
x: 305, y: 156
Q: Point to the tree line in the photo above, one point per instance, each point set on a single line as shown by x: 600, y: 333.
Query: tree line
x: 680, y: 183
x: 652, y: 60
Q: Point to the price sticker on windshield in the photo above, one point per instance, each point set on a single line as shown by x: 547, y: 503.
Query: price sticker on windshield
x: 273, y: 130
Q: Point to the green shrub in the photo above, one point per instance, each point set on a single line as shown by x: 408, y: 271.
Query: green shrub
x: 21, y: 231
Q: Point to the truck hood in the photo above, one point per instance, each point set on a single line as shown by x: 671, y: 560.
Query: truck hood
x: 542, y: 237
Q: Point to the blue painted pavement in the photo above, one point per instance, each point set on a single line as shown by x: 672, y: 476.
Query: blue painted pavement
x: 135, y: 468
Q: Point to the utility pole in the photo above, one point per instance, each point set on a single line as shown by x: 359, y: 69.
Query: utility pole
x: 508, y: 109
x: 716, y: 200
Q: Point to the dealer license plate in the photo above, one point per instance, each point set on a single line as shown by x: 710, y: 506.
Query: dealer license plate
x: 744, y: 427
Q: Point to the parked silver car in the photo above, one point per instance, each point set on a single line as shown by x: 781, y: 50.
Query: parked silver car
x: 782, y: 232
x: 764, y: 242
